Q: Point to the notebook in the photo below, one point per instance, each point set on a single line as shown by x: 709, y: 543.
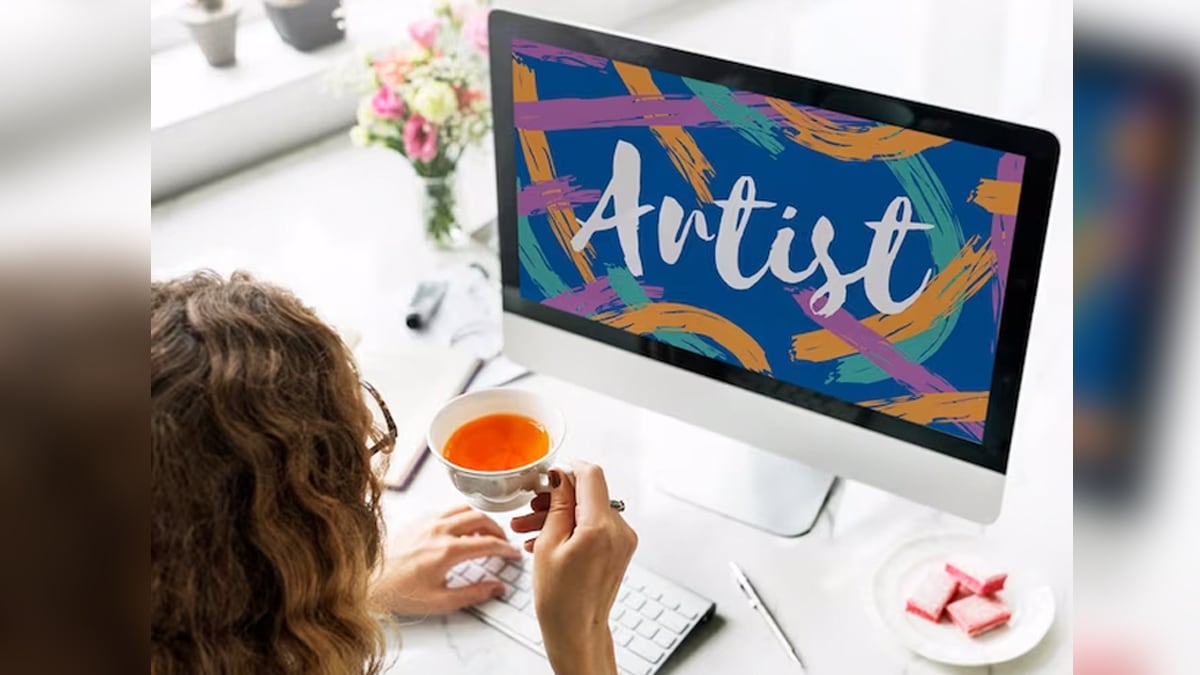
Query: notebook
x: 415, y: 379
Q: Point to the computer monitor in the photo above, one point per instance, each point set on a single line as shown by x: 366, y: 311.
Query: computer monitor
x: 834, y: 276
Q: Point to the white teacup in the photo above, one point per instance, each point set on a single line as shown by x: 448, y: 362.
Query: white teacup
x: 497, y: 491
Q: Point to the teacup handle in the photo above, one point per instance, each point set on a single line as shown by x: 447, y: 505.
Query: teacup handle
x: 543, y: 477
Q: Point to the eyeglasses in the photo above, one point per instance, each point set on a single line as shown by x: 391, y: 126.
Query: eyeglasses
x: 386, y: 443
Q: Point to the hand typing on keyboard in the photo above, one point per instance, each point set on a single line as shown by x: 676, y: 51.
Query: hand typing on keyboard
x: 579, y: 561
x: 414, y: 581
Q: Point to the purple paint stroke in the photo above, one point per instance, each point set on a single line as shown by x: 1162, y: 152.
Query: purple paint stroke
x: 1010, y: 168
x: 915, y: 377
x: 561, y: 192
x: 612, y: 111
x: 567, y: 57
x: 597, y: 296
x: 643, y: 110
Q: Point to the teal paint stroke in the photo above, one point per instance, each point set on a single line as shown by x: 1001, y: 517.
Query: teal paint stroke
x: 690, y: 342
x: 748, y: 122
x: 534, y: 262
x: 931, y: 205
x: 627, y: 287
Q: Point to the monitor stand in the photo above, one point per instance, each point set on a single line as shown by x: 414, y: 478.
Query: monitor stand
x: 758, y: 488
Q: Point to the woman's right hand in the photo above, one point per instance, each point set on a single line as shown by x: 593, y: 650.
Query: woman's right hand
x: 579, y: 560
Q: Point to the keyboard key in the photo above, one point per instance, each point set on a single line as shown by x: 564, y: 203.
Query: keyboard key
x: 664, y: 639
x: 625, y: 591
x: 520, y: 599
x: 494, y: 565
x: 621, y: 636
x: 512, y: 618
x: 669, y: 601
x: 634, y: 601
x: 631, y: 664
x: 647, y: 629
x: 455, y: 581
x: 652, y: 593
x: 473, y: 574
x: 646, y: 649
x: 691, y: 609
x: 525, y: 581
x: 631, y: 620
x: 652, y: 610
x: 510, y: 573
x: 509, y: 592
x: 673, y: 621
x: 616, y: 613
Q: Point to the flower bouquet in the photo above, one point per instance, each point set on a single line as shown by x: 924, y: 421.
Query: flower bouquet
x: 428, y: 101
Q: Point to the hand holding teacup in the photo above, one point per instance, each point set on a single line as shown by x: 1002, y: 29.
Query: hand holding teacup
x: 499, y: 447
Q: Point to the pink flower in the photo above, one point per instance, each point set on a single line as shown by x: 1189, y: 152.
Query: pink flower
x: 387, y: 104
x: 425, y: 32
x: 468, y: 97
x: 475, y: 30
x: 393, y: 69
x: 420, y: 139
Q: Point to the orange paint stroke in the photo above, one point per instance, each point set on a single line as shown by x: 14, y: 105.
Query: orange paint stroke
x: 999, y: 197
x: 949, y: 406
x: 675, y: 316
x: 536, y: 149
x: 679, y: 144
x: 851, y: 141
x: 968, y: 271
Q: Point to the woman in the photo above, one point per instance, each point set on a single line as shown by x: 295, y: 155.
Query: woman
x: 265, y: 545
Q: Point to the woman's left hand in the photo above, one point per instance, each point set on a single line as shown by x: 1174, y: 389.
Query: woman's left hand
x: 413, y: 580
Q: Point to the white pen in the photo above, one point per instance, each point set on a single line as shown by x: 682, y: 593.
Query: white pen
x: 756, y: 603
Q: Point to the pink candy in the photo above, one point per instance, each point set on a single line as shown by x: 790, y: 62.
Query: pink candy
x: 965, y: 590
x: 978, y: 614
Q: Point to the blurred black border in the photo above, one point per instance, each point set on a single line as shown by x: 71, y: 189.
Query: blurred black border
x: 1173, y: 81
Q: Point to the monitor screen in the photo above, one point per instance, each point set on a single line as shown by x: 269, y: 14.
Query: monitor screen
x: 862, y: 261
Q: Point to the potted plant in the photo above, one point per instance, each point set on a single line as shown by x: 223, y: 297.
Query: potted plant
x: 213, y: 25
x: 307, y: 24
x: 427, y: 101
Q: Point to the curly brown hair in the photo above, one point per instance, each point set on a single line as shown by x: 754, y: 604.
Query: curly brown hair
x: 266, y: 521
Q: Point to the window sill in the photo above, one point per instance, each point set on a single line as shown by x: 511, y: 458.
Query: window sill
x: 207, y: 122
x: 184, y: 86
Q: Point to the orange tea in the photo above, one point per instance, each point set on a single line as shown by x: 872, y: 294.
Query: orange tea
x: 497, y: 443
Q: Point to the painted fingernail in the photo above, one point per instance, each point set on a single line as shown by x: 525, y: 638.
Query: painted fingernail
x: 555, y: 479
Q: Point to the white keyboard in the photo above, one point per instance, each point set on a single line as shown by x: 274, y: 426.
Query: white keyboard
x: 650, y: 619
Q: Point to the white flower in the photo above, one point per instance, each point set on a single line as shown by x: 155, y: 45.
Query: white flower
x: 360, y: 137
x: 366, y: 112
x: 434, y: 100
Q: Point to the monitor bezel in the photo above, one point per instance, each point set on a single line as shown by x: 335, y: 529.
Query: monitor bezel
x: 1040, y: 149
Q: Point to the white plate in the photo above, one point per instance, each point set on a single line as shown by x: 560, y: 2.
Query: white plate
x: 1027, y: 596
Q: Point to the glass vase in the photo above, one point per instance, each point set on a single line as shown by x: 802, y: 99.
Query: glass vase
x: 439, y: 211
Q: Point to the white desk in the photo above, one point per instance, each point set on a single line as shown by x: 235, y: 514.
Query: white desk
x: 331, y: 222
